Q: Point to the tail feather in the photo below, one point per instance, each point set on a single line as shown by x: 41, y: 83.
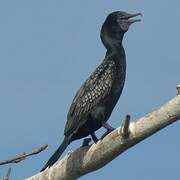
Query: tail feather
x: 57, y: 154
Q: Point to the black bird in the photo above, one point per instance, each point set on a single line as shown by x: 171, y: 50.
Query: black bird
x: 95, y: 100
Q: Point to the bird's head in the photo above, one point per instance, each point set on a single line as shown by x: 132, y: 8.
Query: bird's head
x: 116, y: 25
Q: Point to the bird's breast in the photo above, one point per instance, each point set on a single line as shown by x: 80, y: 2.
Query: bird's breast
x: 116, y: 90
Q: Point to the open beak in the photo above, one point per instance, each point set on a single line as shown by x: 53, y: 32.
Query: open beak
x: 131, y: 21
x: 128, y: 19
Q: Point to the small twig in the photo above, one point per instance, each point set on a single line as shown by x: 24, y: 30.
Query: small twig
x: 24, y: 155
x: 178, y: 89
x: 125, y: 127
x: 7, y: 174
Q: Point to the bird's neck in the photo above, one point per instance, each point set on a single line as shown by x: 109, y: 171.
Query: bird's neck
x: 115, y: 50
x: 115, y: 47
x: 117, y: 54
x: 112, y: 42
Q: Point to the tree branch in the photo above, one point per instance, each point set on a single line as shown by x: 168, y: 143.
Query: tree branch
x: 24, y: 155
x: 95, y: 156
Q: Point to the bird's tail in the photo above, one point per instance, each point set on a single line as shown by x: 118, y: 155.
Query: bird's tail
x: 57, y: 154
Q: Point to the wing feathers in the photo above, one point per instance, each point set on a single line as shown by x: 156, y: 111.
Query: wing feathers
x: 91, y: 93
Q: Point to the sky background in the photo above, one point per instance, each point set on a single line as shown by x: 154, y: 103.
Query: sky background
x: 48, y: 48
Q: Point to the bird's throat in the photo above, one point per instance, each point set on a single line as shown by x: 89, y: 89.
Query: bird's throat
x: 115, y: 48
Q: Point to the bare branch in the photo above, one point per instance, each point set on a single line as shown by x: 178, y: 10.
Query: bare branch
x: 95, y: 156
x: 24, y: 155
x: 7, y: 174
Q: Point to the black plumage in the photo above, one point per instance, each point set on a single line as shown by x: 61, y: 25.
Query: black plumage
x: 95, y: 100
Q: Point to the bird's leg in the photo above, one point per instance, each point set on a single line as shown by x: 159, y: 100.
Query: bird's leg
x: 107, y: 126
x: 86, y: 142
x: 95, y: 139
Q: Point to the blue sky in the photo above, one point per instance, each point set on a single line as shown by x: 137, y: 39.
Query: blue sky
x: 48, y: 48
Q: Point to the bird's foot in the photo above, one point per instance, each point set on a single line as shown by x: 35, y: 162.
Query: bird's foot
x: 86, y: 142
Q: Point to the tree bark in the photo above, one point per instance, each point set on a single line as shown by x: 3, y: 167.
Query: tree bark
x: 92, y: 157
